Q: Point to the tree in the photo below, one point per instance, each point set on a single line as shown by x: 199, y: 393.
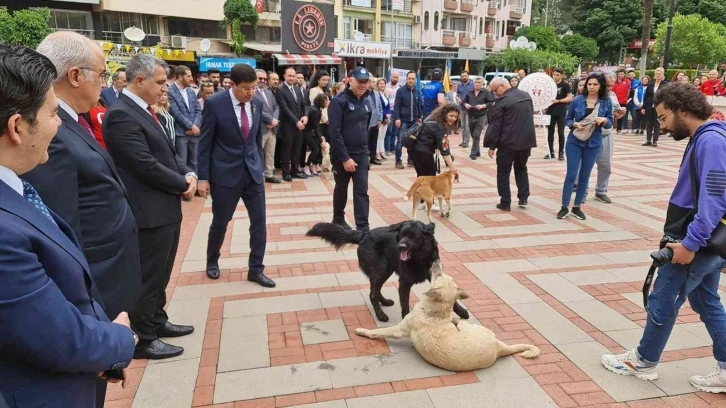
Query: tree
x: 612, y: 23
x: 582, y: 47
x: 532, y: 61
x: 24, y: 27
x: 645, y: 38
x: 714, y: 10
x: 695, y: 40
x: 237, y: 12
x: 544, y: 37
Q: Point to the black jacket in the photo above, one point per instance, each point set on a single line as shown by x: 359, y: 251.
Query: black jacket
x: 407, y: 105
x: 433, y: 136
x: 512, y: 123
x: 348, y: 117
x: 649, y: 94
x: 291, y: 109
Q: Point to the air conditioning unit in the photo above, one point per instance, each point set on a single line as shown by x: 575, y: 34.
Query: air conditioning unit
x: 416, y: 45
x: 178, y: 41
x: 417, y: 19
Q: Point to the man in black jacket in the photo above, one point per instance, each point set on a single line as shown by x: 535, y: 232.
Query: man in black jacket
x: 406, y: 111
x: 511, y: 131
x: 349, y: 114
x: 293, y: 118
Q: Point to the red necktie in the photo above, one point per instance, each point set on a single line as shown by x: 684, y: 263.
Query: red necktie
x: 84, y: 124
x: 153, y: 114
x: 245, y: 126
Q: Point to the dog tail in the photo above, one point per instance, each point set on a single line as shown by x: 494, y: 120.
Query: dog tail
x: 335, y: 235
x: 527, y: 350
x: 412, y: 190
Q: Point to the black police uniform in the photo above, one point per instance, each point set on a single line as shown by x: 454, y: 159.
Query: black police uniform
x: 348, y: 118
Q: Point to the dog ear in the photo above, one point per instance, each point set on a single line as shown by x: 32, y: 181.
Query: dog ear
x: 430, y: 228
x: 463, y: 295
x: 433, y: 294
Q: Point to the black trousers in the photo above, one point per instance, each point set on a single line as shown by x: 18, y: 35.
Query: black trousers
x: 423, y: 163
x: 291, y: 140
x: 101, y: 385
x: 315, y: 157
x: 559, y: 122
x: 506, y: 159
x: 224, y: 203
x: 372, y: 141
x: 158, y: 248
x: 361, y: 202
x: 652, y: 127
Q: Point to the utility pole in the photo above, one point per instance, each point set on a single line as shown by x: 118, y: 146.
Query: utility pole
x: 547, y: 11
x: 669, y: 31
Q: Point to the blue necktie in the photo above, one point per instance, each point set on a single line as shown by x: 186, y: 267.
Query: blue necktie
x: 30, y: 194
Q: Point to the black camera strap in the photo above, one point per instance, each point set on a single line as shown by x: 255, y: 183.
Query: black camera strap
x: 647, y: 284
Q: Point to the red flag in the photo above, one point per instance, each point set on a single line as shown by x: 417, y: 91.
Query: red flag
x: 345, y: 65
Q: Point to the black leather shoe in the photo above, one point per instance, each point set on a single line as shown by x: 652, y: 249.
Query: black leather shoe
x: 376, y: 162
x: 342, y: 224
x: 522, y: 203
x: 212, y: 270
x: 504, y: 207
x: 157, y: 350
x: 174, y: 330
x: 287, y: 177
x: 273, y: 180
x: 261, y: 279
x: 300, y: 175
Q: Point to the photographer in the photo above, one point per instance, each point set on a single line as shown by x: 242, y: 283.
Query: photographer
x: 691, y: 238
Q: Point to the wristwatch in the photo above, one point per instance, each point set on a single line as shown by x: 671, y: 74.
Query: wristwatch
x: 136, y: 337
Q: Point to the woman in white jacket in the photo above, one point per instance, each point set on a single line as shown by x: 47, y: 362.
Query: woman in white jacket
x: 638, y: 125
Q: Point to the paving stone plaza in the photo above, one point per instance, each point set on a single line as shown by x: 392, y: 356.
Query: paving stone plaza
x: 570, y: 287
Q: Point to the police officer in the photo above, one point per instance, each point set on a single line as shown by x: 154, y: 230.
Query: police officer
x: 349, y: 114
x: 433, y: 93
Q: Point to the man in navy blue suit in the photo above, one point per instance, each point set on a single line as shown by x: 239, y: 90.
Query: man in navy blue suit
x: 55, y: 340
x: 230, y: 164
x: 187, y: 115
x: 110, y: 95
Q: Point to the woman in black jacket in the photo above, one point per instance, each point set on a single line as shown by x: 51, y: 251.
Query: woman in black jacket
x: 652, y: 127
x: 312, y: 134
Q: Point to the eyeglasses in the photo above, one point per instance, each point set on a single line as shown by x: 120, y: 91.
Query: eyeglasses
x: 102, y: 75
x: 662, y: 119
x: 262, y: 79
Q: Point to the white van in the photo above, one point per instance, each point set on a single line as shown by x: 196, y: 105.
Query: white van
x: 490, y: 75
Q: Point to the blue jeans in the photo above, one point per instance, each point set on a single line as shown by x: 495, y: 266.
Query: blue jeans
x: 389, y: 143
x: 399, y: 147
x: 582, y: 158
x: 670, y: 290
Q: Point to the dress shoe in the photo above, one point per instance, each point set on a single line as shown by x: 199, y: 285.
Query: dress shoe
x: 504, y: 207
x: 376, y: 162
x: 287, y: 178
x: 174, y: 330
x: 522, y: 203
x: 273, y: 180
x: 212, y: 270
x: 261, y: 279
x: 156, y: 350
x: 300, y: 175
x: 187, y: 199
x: 342, y: 224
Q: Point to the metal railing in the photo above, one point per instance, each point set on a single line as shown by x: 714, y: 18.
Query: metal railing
x: 494, y: 4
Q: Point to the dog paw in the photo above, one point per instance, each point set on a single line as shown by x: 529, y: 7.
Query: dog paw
x: 387, y: 302
x: 361, y: 332
x: 382, y: 317
x: 447, y: 215
x: 464, y: 314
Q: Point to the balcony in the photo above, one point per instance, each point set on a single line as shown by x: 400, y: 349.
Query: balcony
x: 492, y: 8
x: 467, y: 6
x: 464, y: 39
x: 490, y: 41
x: 516, y: 12
x: 448, y: 38
x: 451, y: 5
x: 359, y: 3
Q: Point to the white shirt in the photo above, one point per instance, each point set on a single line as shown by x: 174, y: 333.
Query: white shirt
x: 238, y: 110
x: 11, y: 179
x: 67, y: 108
x: 184, y: 94
x: 139, y: 101
x: 391, y: 92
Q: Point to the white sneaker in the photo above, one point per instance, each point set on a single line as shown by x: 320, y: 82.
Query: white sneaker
x: 714, y: 382
x: 422, y: 206
x: 435, y: 207
x: 629, y: 364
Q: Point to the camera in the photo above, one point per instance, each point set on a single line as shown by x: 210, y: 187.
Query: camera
x: 664, y: 255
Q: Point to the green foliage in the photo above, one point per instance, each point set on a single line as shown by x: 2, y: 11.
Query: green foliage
x: 612, y: 23
x: 544, y: 37
x: 24, y: 27
x: 237, y: 12
x: 531, y: 60
x: 695, y: 40
x: 714, y: 10
x: 580, y: 46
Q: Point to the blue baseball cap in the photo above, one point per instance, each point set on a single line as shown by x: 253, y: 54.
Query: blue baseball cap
x: 360, y: 73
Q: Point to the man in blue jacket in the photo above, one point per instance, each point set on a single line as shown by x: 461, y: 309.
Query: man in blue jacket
x: 406, y: 112
x: 55, y: 340
x: 693, y: 272
x: 349, y: 114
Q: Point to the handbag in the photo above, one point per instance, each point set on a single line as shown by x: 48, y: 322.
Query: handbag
x: 717, y: 243
x: 588, y: 125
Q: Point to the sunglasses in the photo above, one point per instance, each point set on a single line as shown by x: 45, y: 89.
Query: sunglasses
x: 261, y: 79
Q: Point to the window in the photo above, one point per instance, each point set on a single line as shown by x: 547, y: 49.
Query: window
x: 398, y: 34
x: 426, y: 21
x: 363, y: 26
x: 497, y: 29
x: 387, y: 5
x: 481, y: 25
x: 457, y: 24
x: 78, y: 21
x: 261, y: 34
x: 346, y: 28
x: 195, y: 28
x: 113, y: 25
x: 512, y: 27
x: 502, y: 28
x: 444, y: 22
x: 436, y: 21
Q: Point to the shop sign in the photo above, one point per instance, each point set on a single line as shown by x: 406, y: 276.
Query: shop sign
x: 307, y: 28
x: 224, y: 64
x: 397, y: 5
x: 124, y: 52
x: 362, y: 49
x: 361, y: 3
x: 423, y: 54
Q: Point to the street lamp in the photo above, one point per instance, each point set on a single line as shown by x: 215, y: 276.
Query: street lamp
x: 669, y: 31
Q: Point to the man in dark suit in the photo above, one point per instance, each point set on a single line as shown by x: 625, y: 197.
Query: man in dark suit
x: 230, y: 164
x: 293, y: 118
x: 270, y: 118
x: 110, y: 95
x: 80, y: 183
x: 55, y: 339
x: 187, y: 115
x: 156, y: 181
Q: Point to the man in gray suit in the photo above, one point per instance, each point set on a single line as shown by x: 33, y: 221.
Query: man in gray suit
x: 187, y: 115
x: 270, y: 116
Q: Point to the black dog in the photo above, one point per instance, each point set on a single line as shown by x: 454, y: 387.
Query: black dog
x: 407, y: 248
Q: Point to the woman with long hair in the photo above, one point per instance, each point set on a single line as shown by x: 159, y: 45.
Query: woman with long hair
x: 588, y: 113
x: 319, y: 84
x: 652, y: 128
x: 697, y: 82
x: 161, y: 107
x: 313, y: 135
x: 580, y: 88
x: 514, y: 81
x: 386, y: 108
x: 336, y: 89
x: 678, y: 77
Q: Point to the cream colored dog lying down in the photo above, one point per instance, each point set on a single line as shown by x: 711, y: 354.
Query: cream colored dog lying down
x: 441, y: 338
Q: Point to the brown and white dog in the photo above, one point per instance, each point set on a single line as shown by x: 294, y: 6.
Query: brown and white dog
x: 326, y: 167
x: 441, y: 338
x: 427, y: 188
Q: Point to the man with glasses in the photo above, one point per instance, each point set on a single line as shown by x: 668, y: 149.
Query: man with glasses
x: 230, y: 167
x: 80, y: 182
x: 270, y: 118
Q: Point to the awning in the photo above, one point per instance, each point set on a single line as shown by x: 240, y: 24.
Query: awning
x: 307, y: 59
x: 264, y: 48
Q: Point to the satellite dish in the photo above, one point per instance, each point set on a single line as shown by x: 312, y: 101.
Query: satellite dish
x: 134, y: 34
x: 358, y: 36
x: 513, y: 44
x: 522, y: 40
x: 205, y: 45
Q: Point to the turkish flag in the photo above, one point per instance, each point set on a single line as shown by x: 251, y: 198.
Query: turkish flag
x: 259, y: 6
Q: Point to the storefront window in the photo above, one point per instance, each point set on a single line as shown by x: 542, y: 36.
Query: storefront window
x: 195, y: 28
x: 68, y: 20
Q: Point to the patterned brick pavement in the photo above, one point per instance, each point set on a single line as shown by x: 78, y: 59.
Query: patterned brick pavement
x: 570, y: 287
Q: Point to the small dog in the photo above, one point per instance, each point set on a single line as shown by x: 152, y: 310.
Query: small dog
x: 407, y: 248
x: 327, y: 168
x: 427, y: 188
x: 441, y: 338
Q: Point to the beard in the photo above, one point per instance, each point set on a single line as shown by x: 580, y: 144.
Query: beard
x: 680, y: 131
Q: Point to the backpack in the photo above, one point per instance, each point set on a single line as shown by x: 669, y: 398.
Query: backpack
x: 410, y: 136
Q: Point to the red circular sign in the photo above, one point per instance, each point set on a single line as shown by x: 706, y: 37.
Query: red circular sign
x: 309, y: 28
